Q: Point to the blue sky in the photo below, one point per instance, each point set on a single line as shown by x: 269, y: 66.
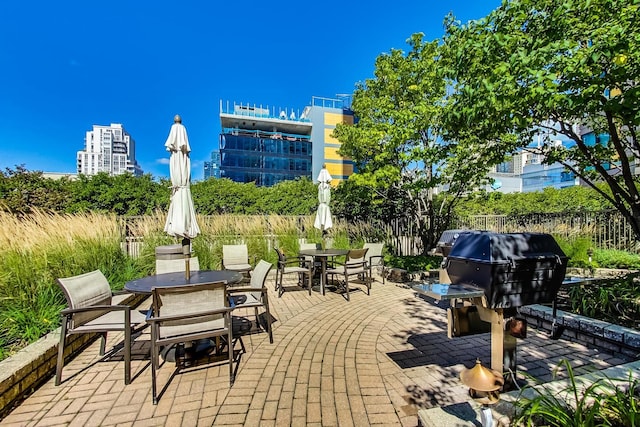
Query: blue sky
x: 65, y: 66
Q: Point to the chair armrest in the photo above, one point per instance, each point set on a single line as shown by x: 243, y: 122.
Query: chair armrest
x: 355, y: 264
x: 377, y: 256
x: 174, y: 317
x: 246, y: 289
x: 68, y: 311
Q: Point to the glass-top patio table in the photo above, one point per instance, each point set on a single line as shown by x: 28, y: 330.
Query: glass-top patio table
x: 323, y: 255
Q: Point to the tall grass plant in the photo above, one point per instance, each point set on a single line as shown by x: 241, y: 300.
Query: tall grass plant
x: 40, y: 247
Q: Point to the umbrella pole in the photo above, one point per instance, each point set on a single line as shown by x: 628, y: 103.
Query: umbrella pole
x: 186, y: 250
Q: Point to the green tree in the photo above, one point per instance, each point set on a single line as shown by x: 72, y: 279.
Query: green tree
x: 292, y: 197
x: 123, y: 194
x: 395, y: 143
x: 556, y: 68
x: 223, y: 196
x: 21, y: 191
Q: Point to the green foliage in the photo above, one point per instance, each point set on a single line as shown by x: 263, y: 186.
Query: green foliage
x: 535, y: 67
x: 577, y: 250
x: 574, y: 199
x: 22, y: 191
x: 413, y: 263
x: 31, y: 299
x: 605, y: 402
x: 395, y: 143
x: 612, y: 258
x: 123, y: 194
x: 294, y: 197
x: 615, y: 300
x: 221, y: 196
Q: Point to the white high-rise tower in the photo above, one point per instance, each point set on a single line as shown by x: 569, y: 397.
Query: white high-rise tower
x: 108, y: 149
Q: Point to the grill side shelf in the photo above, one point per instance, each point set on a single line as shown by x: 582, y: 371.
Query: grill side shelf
x: 444, y: 291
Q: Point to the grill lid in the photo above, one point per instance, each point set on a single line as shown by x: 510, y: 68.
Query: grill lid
x: 489, y: 247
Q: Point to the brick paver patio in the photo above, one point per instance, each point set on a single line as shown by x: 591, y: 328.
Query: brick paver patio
x: 374, y: 360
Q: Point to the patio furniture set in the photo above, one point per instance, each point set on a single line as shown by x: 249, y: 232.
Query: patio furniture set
x: 187, y: 311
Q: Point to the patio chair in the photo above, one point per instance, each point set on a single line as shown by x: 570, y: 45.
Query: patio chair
x: 236, y: 258
x: 355, y: 264
x: 184, y: 314
x: 176, y: 265
x: 308, y: 258
x: 254, y: 295
x: 92, y: 308
x: 375, y: 258
x: 297, y: 265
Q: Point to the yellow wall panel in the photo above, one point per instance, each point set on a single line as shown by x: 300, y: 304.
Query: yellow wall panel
x: 328, y: 138
x: 331, y: 153
x: 332, y: 119
x: 338, y: 170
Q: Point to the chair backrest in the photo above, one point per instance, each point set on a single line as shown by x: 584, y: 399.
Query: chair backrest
x: 304, y: 246
x: 356, y: 255
x: 86, y: 290
x: 259, y: 277
x: 375, y: 250
x: 176, y: 265
x: 281, y: 256
x: 189, y: 299
x: 235, y: 254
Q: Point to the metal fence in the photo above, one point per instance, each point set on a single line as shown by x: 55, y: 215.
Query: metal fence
x: 606, y: 229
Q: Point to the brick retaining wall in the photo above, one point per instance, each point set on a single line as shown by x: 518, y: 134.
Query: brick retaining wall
x: 23, y: 372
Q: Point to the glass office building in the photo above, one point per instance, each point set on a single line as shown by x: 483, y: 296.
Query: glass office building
x: 212, y: 167
x: 267, y: 145
x: 264, y: 146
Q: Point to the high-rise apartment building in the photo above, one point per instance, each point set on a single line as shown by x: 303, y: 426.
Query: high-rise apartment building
x: 212, y: 167
x: 108, y: 149
x: 268, y: 145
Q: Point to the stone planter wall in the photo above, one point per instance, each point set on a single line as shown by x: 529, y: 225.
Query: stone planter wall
x: 35, y: 364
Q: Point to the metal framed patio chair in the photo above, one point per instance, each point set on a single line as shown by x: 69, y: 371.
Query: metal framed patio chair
x: 176, y: 265
x: 297, y: 265
x: 184, y: 314
x: 92, y: 308
x: 236, y: 258
x: 375, y: 259
x: 255, y: 295
x: 355, y: 264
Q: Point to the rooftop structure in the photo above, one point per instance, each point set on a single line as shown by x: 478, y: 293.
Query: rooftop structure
x: 266, y: 145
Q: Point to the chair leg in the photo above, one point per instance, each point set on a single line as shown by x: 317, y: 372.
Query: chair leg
x: 230, y: 341
x: 127, y: 347
x: 346, y: 286
x: 60, y: 363
x: 257, y: 318
x: 154, y: 364
x: 103, y: 343
x: 268, y: 314
x: 310, y: 274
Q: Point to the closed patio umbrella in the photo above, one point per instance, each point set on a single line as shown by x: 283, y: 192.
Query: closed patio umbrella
x: 181, y: 219
x: 323, y: 215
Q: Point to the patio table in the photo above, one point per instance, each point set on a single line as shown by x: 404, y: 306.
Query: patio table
x: 322, y: 255
x: 145, y: 284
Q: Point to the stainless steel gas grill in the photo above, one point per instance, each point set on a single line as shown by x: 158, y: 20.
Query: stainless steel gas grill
x: 492, y: 274
x: 513, y: 269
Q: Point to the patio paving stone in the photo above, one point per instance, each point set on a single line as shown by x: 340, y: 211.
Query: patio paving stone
x: 374, y: 360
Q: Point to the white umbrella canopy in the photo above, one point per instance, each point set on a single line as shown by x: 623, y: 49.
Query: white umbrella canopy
x: 181, y: 218
x: 323, y: 215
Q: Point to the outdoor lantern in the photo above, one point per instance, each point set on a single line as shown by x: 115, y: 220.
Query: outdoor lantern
x: 483, y: 384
